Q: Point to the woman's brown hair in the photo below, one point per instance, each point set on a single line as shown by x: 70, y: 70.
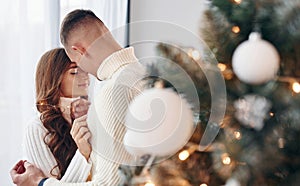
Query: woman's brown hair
x: 49, y: 75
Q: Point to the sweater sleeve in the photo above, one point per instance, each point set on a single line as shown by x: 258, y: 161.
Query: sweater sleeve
x: 111, y: 106
x: 39, y: 154
x: 78, y: 170
x: 55, y: 182
x: 95, y: 182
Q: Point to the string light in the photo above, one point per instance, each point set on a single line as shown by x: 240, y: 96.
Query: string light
x: 238, y: 1
x: 227, y: 73
x: 296, y: 87
x: 195, y: 55
x: 271, y: 114
x: 183, y: 155
x: 281, y: 143
x: 149, y: 183
x: 237, y: 135
x: 222, y: 67
x: 226, y: 159
x: 235, y: 29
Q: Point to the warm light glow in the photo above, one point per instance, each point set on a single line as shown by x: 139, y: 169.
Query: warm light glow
x: 271, y: 114
x: 203, y: 184
x: 281, y: 143
x: 237, y: 1
x: 235, y: 29
x: 296, y: 87
x: 183, y: 155
x: 159, y: 84
x: 195, y: 55
x: 149, y: 184
x: 226, y: 159
x: 222, y: 66
x: 237, y: 135
x: 228, y: 75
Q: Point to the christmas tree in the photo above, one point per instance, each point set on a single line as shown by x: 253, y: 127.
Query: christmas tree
x: 257, y: 46
x: 258, y: 143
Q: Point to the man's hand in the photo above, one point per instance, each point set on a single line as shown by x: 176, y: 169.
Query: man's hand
x: 81, y: 135
x: 79, y: 108
x: 29, y: 176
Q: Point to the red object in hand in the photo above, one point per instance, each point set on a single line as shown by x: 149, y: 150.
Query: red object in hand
x: 21, y: 168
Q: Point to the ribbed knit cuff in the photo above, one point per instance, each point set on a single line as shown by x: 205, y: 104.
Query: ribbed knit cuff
x: 41, y: 183
x: 51, y: 182
x: 78, y: 170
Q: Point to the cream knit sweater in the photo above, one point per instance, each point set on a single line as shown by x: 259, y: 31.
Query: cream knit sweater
x: 106, y: 117
x: 38, y: 153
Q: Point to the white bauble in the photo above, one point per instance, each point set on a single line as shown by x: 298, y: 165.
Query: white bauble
x: 232, y: 182
x: 159, y: 122
x: 255, y: 61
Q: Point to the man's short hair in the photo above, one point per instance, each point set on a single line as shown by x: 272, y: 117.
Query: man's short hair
x: 74, y: 19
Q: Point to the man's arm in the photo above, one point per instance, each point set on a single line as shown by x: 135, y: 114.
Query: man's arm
x: 55, y: 182
x: 33, y: 176
x: 111, y: 104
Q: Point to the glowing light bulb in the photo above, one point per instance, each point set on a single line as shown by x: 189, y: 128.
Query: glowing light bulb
x: 237, y: 1
x: 149, y: 184
x: 195, y: 55
x: 183, y: 155
x: 271, y: 114
x: 222, y: 66
x: 226, y: 159
x: 237, y: 135
x: 235, y: 29
x: 203, y: 184
x: 281, y: 143
x: 296, y: 87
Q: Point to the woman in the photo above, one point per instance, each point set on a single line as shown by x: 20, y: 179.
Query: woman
x: 48, y: 142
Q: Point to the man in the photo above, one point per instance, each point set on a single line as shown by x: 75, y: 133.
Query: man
x: 89, y: 43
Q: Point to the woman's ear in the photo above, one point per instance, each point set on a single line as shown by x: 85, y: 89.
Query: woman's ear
x: 79, y: 49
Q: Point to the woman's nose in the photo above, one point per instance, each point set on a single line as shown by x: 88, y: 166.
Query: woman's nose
x: 83, y: 73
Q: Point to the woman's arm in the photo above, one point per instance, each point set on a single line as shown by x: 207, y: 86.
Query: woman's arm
x: 78, y: 170
x: 39, y: 154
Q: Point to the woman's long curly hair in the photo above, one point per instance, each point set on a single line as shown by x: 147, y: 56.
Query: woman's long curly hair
x: 49, y: 75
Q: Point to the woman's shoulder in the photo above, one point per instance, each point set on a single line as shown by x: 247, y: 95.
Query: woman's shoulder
x: 35, y: 124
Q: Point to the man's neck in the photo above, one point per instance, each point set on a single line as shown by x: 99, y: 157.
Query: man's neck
x: 100, y: 49
x: 106, y: 46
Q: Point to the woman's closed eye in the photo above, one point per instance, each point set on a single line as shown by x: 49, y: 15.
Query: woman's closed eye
x: 74, y: 72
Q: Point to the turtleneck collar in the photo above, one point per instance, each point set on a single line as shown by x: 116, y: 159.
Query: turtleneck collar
x: 65, y: 107
x: 116, y: 60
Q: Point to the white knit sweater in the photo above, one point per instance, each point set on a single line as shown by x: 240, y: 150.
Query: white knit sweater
x: 38, y: 153
x: 106, y: 118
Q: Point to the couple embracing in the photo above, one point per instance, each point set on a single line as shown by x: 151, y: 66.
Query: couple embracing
x: 66, y: 144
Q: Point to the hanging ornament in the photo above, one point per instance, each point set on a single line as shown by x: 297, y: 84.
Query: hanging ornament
x: 255, y: 61
x: 232, y: 182
x: 252, y: 110
x: 159, y: 122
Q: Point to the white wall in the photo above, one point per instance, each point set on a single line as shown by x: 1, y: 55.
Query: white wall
x: 181, y: 13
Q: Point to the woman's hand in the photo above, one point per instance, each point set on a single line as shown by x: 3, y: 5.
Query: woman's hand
x: 79, y: 108
x: 81, y: 135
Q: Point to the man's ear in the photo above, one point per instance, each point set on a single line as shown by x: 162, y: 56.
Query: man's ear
x: 79, y: 49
